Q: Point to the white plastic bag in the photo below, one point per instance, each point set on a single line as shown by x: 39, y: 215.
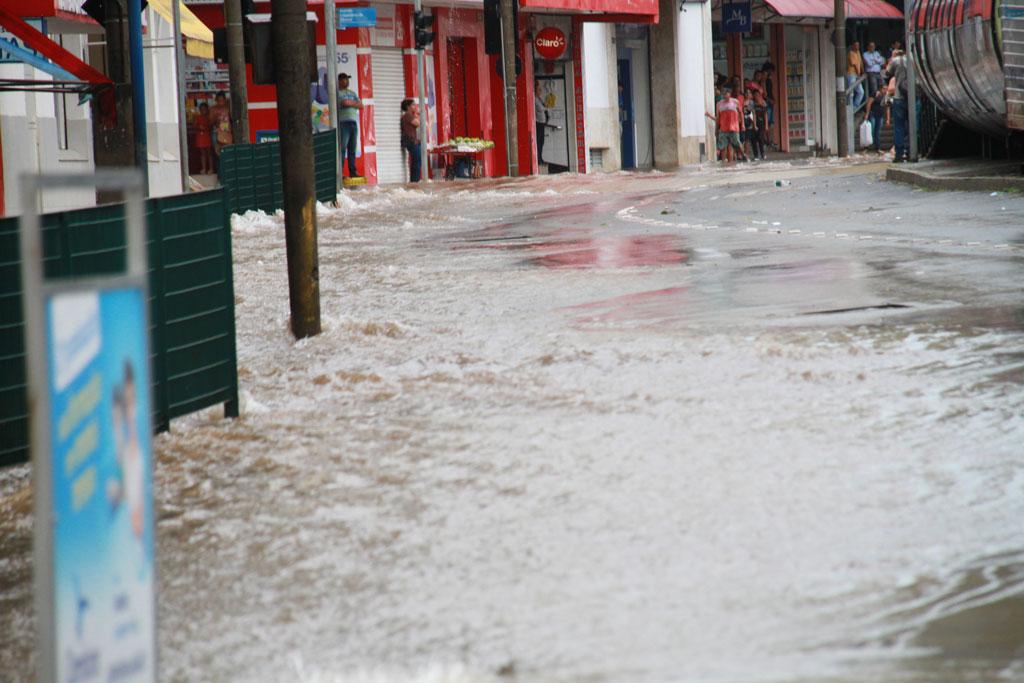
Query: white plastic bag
x: 865, y: 134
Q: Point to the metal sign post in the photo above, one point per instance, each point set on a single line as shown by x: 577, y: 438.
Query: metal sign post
x: 179, y: 73
x: 90, y: 417
x: 843, y: 132
x: 138, y: 72
x: 331, y: 46
x: 908, y: 10
x: 421, y: 82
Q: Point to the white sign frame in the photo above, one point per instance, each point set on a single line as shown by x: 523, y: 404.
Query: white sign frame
x: 36, y: 291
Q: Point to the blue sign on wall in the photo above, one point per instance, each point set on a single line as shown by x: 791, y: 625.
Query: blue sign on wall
x: 357, y: 17
x: 102, y: 486
x: 736, y: 17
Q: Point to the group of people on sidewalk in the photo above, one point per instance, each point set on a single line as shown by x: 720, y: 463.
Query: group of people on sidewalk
x: 744, y: 114
x: 886, y: 80
x: 744, y: 111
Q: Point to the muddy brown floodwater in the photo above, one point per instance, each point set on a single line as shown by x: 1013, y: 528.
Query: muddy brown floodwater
x: 628, y: 428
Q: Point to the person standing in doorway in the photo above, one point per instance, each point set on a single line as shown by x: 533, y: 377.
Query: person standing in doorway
x: 873, y: 63
x: 411, y: 137
x: 220, y: 124
x: 877, y: 114
x: 540, y: 114
x: 760, y: 125
x: 203, y: 140
x: 349, y: 106
x: 767, y: 71
x: 749, y: 125
x: 854, y: 70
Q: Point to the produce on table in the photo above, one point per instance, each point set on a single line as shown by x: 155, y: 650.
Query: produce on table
x: 469, y: 144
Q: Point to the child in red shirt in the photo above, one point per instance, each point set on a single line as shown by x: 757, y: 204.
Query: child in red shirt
x: 203, y: 141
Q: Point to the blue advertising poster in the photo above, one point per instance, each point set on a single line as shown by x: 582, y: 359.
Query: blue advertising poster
x: 736, y: 17
x: 357, y: 17
x: 98, y: 376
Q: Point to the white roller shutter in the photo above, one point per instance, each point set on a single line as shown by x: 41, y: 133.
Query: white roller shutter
x: 388, y: 93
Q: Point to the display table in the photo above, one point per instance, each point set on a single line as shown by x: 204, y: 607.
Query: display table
x: 460, y: 161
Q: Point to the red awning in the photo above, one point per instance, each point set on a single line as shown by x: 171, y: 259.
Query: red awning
x: 823, y: 9
x: 622, y: 10
x: 38, y: 41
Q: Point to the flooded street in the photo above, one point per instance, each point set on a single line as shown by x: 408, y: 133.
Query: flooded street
x: 624, y: 428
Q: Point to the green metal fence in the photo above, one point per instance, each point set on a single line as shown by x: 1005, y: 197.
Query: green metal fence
x: 192, y: 306
x: 251, y: 174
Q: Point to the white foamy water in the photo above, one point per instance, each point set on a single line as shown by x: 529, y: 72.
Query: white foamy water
x: 496, y: 466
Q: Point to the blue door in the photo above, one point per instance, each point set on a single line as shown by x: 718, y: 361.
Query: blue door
x: 626, y: 117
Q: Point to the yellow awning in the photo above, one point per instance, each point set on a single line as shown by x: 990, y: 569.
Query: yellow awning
x: 198, y: 37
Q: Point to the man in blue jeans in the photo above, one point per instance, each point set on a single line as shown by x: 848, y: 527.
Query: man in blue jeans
x: 348, y: 123
x: 898, y: 70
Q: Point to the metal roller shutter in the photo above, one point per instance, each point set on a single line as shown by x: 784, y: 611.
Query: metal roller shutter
x: 388, y: 93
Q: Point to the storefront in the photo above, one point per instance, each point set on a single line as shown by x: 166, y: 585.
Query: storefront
x: 53, y: 54
x: 204, y: 78
x: 556, y: 84
x: 464, y: 90
x: 795, y: 36
x: 553, y: 93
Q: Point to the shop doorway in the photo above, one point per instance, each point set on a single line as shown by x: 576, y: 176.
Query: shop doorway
x: 458, y: 90
x: 802, y: 87
x: 553, y: 144
x: 634, y: 86
x: 626, y: 117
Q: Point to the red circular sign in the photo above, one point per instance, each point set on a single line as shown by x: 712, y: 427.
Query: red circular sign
x: 550, y: 43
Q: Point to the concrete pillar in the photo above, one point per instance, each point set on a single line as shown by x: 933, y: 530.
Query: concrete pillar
x: 664, y: 95
x: 602, y: 102
x: 682, y: 87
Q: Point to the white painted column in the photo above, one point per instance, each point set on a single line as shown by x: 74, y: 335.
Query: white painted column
x: 695, y: 80
x: 601, y: 114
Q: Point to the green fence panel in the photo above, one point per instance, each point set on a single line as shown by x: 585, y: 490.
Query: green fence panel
x: 192, y: 315
x: 13, y: 408
x: 76, y: 243
x: 325, y: 165
x: 197, y: 303
x: 251, y: 174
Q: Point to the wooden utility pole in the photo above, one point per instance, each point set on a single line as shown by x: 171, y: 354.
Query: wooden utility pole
x: 236, y: 71
x: 843, y: 148
x: 508, y: 61
x: 292, y: 75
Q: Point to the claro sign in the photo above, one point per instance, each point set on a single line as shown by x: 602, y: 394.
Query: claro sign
x: 550, y: 43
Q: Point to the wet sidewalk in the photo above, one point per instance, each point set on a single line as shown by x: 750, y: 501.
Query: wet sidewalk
x: 963, y: 175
